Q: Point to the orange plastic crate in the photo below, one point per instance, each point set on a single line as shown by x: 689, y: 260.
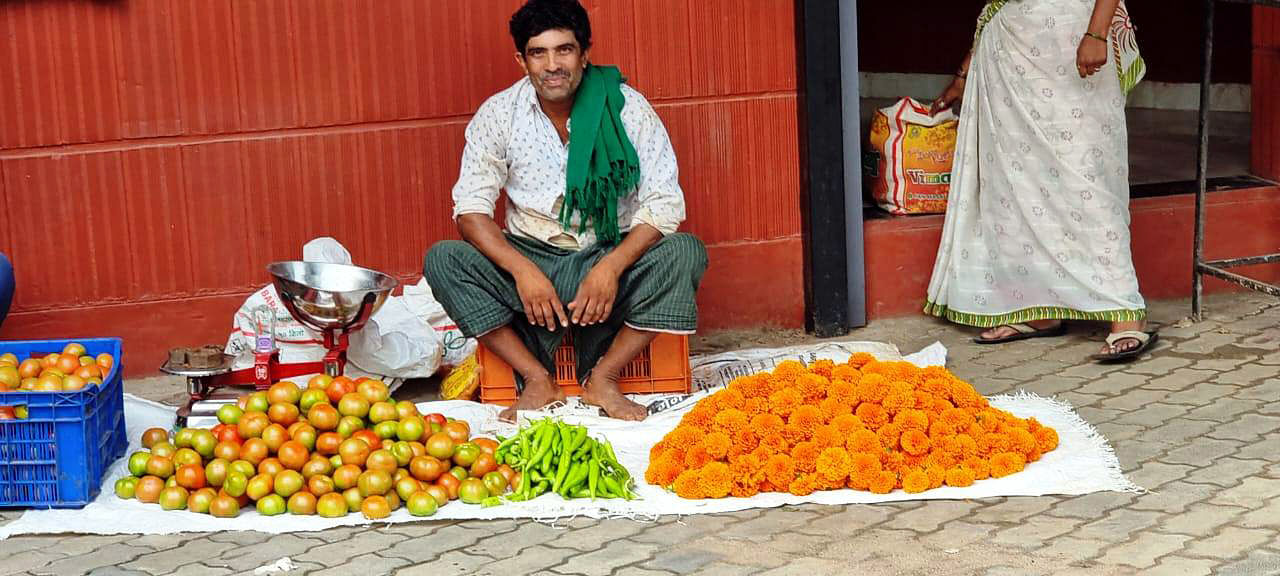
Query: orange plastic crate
x: 663, y: 368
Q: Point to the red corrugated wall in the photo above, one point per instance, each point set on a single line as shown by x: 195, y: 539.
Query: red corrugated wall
x: 1266, y: 92
x: 157, y: 154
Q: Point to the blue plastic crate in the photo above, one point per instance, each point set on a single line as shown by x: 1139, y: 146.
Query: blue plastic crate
x: 55, y: 457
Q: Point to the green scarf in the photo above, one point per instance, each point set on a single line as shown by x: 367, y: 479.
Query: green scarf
x: 603, y: 165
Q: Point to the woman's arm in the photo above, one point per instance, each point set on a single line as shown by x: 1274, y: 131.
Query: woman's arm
x: 1092, y: 53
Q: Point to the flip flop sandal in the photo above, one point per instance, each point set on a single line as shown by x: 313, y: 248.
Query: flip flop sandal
x: 1147, y: 339
x: 1025, y: 331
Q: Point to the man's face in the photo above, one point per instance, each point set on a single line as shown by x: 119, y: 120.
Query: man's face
x: 554, y: 62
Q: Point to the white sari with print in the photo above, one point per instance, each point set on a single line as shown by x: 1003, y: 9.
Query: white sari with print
x: 1037, y: 224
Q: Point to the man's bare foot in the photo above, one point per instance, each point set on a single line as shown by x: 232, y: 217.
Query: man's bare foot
x: 602, y: 391
x: 538, y: 392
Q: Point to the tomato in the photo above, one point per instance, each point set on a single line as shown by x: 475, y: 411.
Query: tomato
x: 349, y: 425
x: 421, y: 503
x: 293, y: 455
x: 186, y: 456
x: 230, y: 433
x: 319, y: 382
x: 201, y: 500
x: 403, y: 453
x: 495, y: 483
x: 393, y: 500
x: 160, y: 466
x: 254, y: 450
x: 370, y: 437
x: 458, y: 430
x: 346, y: 476
x: 8, y: 359
x: 163, y: 449
x: 438, y: 493
x: 138, y: 463
x: 354, y: 451
x: 472, y: 491
x: 174, y: 498
x: 270, y: 466
x: 374, y: 482
x: 9, y: 378
x: 310, y: 397
x: 323, y: 416
x: 229, y: 451
x: 338, y: 388
x: 105, y: 362
x: 328, y: 443
x: 260, y: 486
x: 252, y: 424
x: 354, y: 405
x: 283, y: 392
x: 224, y: 506
x: 320, y: 485
x: 331, y: 505
x: 148, y: 489
x: 426, y: 468
x: 235, y: 484
x: 374, y: 391
x: 304, y: 434
x: 405, y: 487
x: 419, y: 449
x: 459, y: 472
x: 484, y: 464
x: 450, y: 483
x: 203, y: 442
x: 411, y: 429
x: 191, y: 477
x: 383, y: 412
x: 49, y: 360
x: 487, y: 445
x: 288, y: 483
x: 302, y: 504
x: 375, y: 508
x: 440, y: 446
x: 354, y: 499
x: 29, y: 368
x: 283, y: 414
x: 90, y: 371
x: 126, y: 487
x: 271, y: 505
x: 73, y: 383
x: 67, y: 364
x: 507, y: 472
x: 153, y: 436
x: 230, y: 414
x: 386, y: 430
x: 48, y: 383
x: 244, y: 467
x: 215, y: 472
x: 466, y: 454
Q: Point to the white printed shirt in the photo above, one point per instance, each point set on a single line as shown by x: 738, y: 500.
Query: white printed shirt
x: 511, y: 144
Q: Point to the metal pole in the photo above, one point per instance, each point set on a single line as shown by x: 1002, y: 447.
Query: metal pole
x: 1202, y: 162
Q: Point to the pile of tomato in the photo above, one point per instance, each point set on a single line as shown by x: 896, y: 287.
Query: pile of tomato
x: 69, y: 371
x: 336, y: 447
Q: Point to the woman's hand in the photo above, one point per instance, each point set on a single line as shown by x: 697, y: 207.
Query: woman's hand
x: 1091, y: 56
x: 949, y: 97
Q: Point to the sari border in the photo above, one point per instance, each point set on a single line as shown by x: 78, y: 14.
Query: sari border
x: 1032, y: 314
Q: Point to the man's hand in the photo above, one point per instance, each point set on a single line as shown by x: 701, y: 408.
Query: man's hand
x: 594, y: 301
x: 541, y: 304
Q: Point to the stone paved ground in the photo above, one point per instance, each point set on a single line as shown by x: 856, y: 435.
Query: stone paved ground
x: 1198, y: 423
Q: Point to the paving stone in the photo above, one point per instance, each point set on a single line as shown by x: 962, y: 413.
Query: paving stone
x: 115, y: 571
x: 1012, y: 510
x: 1157, y: 366
x: 1177, y: 565
x: 198, y: 569
x: 77, y: 545
x: 1174, y: 498
x: 1135, y: 399
x: 16, y: 544
x: 1090, y: 370
x: 1034, y: 531
x: 1078, y: 400
x: 604, y: 560
x: 337, y: 553
x: 1067, y: 549
x: 1226, y: 472
x: 365, y: 564
x: 1154, y: 474
x: 1135, y: 453
x: 249, y: 557
x: 510, y: 544
x: 425, y: 529
x: 1180, y: 379
x: 1229, y: 543
x: 1257, y: 562
x: 1114, y: 384
x: 1201, y: 452
x: 1091, y: 506
x: 957, y: 535
x: 198, y: 549
x: 1272, y: 359
x: 1179, y: 431
x: 1267, y: 516
x: 244, y: 537
x: 1118, y: 525
x: 1201, y: 394
x: 683, y: 560
x: 160, y: 541
x: 1251, y: 493
x: 1247, y: 374
x: 807, y: 567
x: 334, y: 534
x: 1267, y: 390
x: 593, y: 538
x: 726, y: 569
x: 850, y: 518
x: 684, y: 529
x: 1264, y: 449
x: 26, y: 560
x: 868, y: 543
x: 1100, y: 413
x: 929, y: 518
x: 1144, y: 549
x: 418, y: 550
x: 1052, y: 385
x: 1204, y: 343
x: 1153, y: 415
x: 633, y: 571
x: 1221, y: 364
x: 763, y: 529
x: 1201, y: 519
x: 457, y: 562
x: 531, y: 560
x: 1224, y: 410
x: 1247, y: 427
x: 100, y: 558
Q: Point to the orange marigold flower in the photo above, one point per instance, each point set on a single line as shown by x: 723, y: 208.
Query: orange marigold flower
x: 717, y: 445
x: 688, y: 485
x: 937, y: 475
x: 744, y: 441
x: 747, y: 469
x: 912, y: 420
x: 883, y: 482
x: 988, y: 419
x: 898, y: 401
x: 846, y: 373
x: 914, y: 442
x: 1033, y: 425
x: 683, y: 437
x: 958, y: 418
x: 1006, y: 463
x: 780, y: 470
x: 924, y: 401
x: 960, y: 477
x: 872, y: 388
x: 1046, y: 439
x: 766, y: 424
x: 804, y: 421
x: 716, y: 480
x: 696, y: 457
x: 872, y: 415
x: 915, y: 482
x: 832, y: 408
x: 812, y: 387
x: 828, y: 436
x: 961, y: 446
x: 863, y: 463
x: 788, y: 370
x: 860, y: 359
x: 700, y: 416
x: 937, y: 386
x: 726, y: 399
x: 993, y: 443
x: 981, y: 469
x: 843, y: 392
x: 664, y: 470
x: 784, y: 401
x: 893, y: 461
x: 805, y: 456
x: 834, y: 464
x: 754, y: 406
x: 889, y: 435
x: 858, y: 481
x: 776, y: 443
x: 847, y: 424
x: 823, y: 368
x: 744, y: 490
x: 964, y: 396
x: 659, y: 449
x: 803, y: 486
x: 1022, y: 441
x: 863, y: 441
x: 941, y: 458
x: 940, y: 405
x: 941, y: 429
x: 731, y: 420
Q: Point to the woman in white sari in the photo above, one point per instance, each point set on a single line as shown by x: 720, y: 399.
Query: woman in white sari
x: 1037, y: 225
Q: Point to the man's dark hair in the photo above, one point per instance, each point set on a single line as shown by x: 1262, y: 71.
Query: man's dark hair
x: 538, y: 16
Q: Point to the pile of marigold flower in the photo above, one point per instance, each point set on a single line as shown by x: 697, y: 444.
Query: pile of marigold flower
x: 864, y: 424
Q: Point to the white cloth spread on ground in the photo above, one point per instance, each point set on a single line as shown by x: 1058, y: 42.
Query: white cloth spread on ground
x: 1037, y: 222
x: 1082, y: 463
